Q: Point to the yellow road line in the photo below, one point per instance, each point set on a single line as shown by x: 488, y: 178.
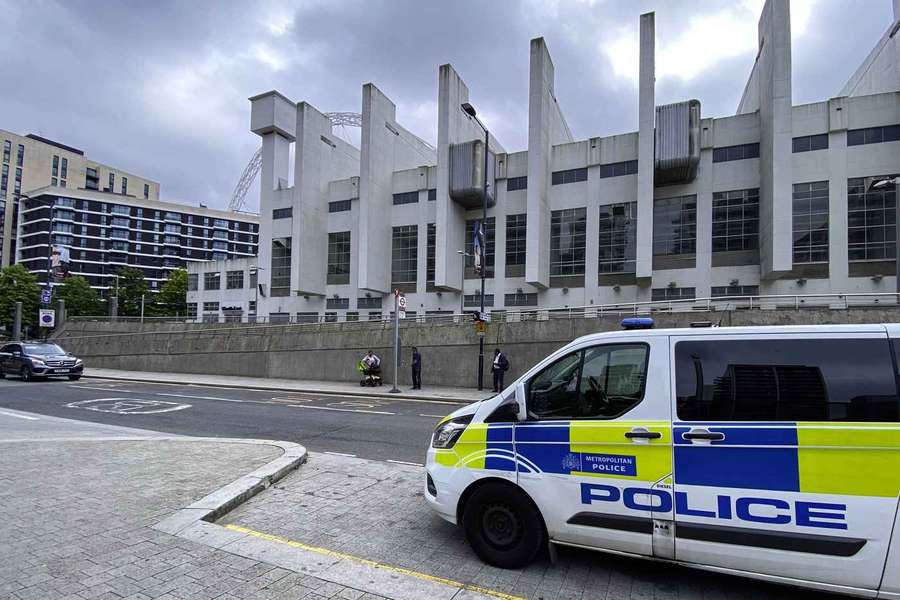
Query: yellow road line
x: 373, y: 563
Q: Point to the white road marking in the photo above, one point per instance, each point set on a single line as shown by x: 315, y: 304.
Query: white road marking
x: 102, y: 389
x: 353, y: 410
x: 128, y: 406
x: 340, y: 454
x: 199, y: 397
x: 8, y: 414
x: 433, y: 416
x: 403, y: 462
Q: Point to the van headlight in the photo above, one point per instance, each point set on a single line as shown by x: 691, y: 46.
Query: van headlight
x: 446, y: 434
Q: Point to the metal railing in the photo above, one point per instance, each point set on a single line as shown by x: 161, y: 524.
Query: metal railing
x: 698, y: 305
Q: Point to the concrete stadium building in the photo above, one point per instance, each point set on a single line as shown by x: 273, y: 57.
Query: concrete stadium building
x: 775, y: 199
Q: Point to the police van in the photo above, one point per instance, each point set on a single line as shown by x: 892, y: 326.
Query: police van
x: 767, y: 452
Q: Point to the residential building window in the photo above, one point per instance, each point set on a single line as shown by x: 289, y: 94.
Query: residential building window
x: 430, y: 245
x: 734, y: 290
x: 675, y: 226
x: 432, y: 195
x: 489, y: 249
x: 192, y: 310
x: 474, y: 300
x: 283, y: 213
x: 339, y: 206
x: 251, y: 306
x: 406, y: 198
x: 147, y: 190
x: 7, y: 147
x: 673, y: 293
x: 618, y: 238
x: 124, y: 185
x: 64, y: 171
x: 120, y: 222
x: 520, y: 299
x: 254, y: 276
x: 735, y: 220
x: 570, y: 176
x: 191, y: 282
x: 809, y: 143
x: 368, y: 302
x: 112, y: 182
x: 217, y: 234
x: 337, y: 303
x: 221, y: 223
x: 515, y: 245
x: 870, y: 135
x: 118, y: 209
x: 568, y: 235
x: 54, y: 170
x: 871, y: 223
x: 172, y: 228
x: 810, y: 222
x: 338, y: 258
x: 53, y: 181
x: 20, y: 156
x: 740, y: 152
x: 234, y: 280
x: 281, y: 267
x: 307, y: 317
x: 219, y: 245
x: 628, y: 167
x: 91, y: 179
x: 212, y: 281
x: 404, y: 254
x: 516, y: 183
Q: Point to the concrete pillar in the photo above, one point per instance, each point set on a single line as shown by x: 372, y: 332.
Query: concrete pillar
x: 60, y: 313
x: 454, y: 126
x: 646, y: 122
x: 385, y: 147
x: 546, y: 127
x: 113, y: 307
x: 272, y: 117
x: 319, y: 158
x: 773, y: 76
x: 17, y: 322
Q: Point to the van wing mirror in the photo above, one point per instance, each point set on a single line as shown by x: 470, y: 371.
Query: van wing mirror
x: 521, y: 401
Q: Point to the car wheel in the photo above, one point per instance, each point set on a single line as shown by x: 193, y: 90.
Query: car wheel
x: 503, y: 526
x: 74, y: 377
x: 26, y: 374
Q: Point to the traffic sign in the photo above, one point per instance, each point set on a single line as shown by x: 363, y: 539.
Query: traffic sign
x: 402, y: 302
x: 45, y: 296
x: 47, y: 317
x: 402, y: 314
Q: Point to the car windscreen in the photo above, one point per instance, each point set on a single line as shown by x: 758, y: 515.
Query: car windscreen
x: 43, y: 349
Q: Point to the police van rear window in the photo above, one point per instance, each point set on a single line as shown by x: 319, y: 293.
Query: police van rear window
x: 786, y: 380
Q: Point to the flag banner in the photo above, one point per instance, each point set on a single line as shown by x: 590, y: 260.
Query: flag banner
x: 478, y: 247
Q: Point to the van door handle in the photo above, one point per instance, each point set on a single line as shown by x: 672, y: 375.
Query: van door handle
x: 703, y: 434
x: 639, y: 434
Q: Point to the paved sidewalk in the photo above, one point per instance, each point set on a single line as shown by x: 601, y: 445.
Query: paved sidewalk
x: 76, y: 517
x: 446, y: 394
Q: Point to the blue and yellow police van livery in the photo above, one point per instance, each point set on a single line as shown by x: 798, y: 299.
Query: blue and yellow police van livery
x: 767, y: 452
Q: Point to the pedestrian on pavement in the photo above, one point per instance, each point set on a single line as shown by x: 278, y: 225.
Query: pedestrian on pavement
x: 416, y: 369
x: 499, y: 368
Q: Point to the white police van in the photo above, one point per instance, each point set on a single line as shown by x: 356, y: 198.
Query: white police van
x: 767, y: 452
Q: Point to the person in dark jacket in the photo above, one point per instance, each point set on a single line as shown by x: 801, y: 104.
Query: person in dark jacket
x: 499, y: 367
x: 416, y: 369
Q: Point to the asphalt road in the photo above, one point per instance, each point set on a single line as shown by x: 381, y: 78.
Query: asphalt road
x: 375, y: 428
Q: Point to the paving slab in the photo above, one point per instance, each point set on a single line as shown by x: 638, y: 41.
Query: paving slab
x: 372, y: 512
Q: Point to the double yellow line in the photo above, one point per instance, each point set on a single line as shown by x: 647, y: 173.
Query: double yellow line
x: 372, y: 563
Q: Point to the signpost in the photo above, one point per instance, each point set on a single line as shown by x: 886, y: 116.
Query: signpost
x: 47, y: 317
x: 399, y: 313
x: 45, y: 295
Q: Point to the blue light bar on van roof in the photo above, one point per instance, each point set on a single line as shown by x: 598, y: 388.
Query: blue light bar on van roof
x: 637, y: 323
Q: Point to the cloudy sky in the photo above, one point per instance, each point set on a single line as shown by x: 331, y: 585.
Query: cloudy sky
x: 160, y: 87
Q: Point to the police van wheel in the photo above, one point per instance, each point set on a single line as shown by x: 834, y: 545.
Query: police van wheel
x: 503, y: 526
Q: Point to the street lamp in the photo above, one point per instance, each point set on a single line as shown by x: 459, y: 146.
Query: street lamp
x: 256, y: 296
x: 470, y: 110
x: 881, y: 183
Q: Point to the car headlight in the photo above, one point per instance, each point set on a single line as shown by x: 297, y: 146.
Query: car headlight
x: 38, y: 362
x: 77, y: 362
x: 446, y: 434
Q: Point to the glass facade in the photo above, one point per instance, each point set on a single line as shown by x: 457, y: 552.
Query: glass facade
x: 871, y: 222
x: 618, y: 238
x: 810, y: 222
x: 735, y: 220
x: 568, y: 236
x: 675, y: 226
x: 404, y: 253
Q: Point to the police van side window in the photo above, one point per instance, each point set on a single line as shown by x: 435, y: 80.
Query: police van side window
x: 786, y: 380
x: 602, y: 382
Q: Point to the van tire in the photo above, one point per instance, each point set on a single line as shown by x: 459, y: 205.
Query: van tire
x: 503, y: 526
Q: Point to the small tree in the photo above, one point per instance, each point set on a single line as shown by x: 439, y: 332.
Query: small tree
x: 132, y: 287
x: 81, y: 299
x: 17, y: 284
x: 172, y: 297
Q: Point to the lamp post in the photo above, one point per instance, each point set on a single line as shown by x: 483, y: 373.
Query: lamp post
x: 256, y: 297
x: 884, y: 183
x: 470, y: 110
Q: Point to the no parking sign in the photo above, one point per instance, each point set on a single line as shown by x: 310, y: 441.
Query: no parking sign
x: 47, y: 317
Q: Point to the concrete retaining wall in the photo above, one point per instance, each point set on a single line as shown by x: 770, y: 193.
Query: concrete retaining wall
x: 449, y: 351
